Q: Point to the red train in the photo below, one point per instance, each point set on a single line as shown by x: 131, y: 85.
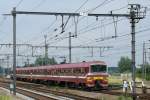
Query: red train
x: 85, y: 74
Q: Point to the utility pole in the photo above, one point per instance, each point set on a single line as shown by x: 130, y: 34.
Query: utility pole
x: 28, y: 62
x: 7, y: 72
x: 46, y: 49
x: 1, y: 65
x: 135, y: 16
x: 14, y: 50
x: 133, y: 50
x: 145, y: 62
x: 143, y: 66
x: 70, y: 47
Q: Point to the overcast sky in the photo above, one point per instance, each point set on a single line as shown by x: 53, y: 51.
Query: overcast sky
x: 90, y: 32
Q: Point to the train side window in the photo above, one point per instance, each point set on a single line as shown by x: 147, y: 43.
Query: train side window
x: 37, y: 71
x: 62, y: 71
x: 70, y: 71
x: 59, y: 72
x: 34, y: 71
x: 40, y: 71
x: 56, y: 73
x: 82, y: 71
x: 50, y: 72
x: 86, y: 70
x: 47, y: 72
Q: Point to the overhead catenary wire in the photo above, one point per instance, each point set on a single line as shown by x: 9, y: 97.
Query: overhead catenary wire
x: 104, y: 2
x: 88, y: 30
x: 82, y: 5
x: 147, y: 29
x: 120, y: 8
x: 119, y: 36
x: 19, y: 3
x: 38, y: 5
x: 100, y: 5
x: 69, y: 18
x: 86, y: 27
x: 3, y: 20
x: 42, y: 1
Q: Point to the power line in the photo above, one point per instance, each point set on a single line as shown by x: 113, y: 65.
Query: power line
x: 3, y: 20
x: 120, y: 8
x: 99, y: 26
x: 104, y: 2
x: 87, y: 11
x: 120, y: 36
x: 90, y: 29
x: 82, y: 5
x: 19, y: 3
x: 69, y: 16
x: 38, y: 5
x: 112, y: 10
x: 85, y: 30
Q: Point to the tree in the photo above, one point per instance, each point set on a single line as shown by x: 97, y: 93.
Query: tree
x: 45, y: 61
x: 124, y: 64
x: 146, y: 73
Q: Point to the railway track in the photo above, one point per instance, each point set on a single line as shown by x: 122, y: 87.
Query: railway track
x: 24, y: 88
x: 77, y: 97
x: 28, y: 93
x: 44, y: 89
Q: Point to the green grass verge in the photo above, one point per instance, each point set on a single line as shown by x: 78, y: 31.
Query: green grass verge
x: 124, y: 98
x: 5, y: 97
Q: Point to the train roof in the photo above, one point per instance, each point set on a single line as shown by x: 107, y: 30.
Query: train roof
x: 72, y: 65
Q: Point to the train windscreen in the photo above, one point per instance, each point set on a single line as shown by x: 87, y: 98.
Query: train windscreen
x: 98, y: 68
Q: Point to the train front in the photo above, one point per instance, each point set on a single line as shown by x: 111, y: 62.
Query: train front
x: 97, y: 77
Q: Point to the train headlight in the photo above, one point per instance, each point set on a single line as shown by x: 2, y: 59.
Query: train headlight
x: 89, y: 78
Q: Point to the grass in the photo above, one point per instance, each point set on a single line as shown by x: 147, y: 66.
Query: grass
x: 5, y: 97
x: 113, y: 80
x: 116, y: 80
x: 102, y: 98
x: 124, y: 98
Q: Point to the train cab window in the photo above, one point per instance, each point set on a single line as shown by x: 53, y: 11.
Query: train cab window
x: 98, y: 68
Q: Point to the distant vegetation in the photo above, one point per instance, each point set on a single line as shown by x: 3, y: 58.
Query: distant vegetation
x: 42, y: 61
x: 113, y: 70
x: 124, y: 64
x: 45, y: 61
x: 146, y: 72
x: 1, y: 70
